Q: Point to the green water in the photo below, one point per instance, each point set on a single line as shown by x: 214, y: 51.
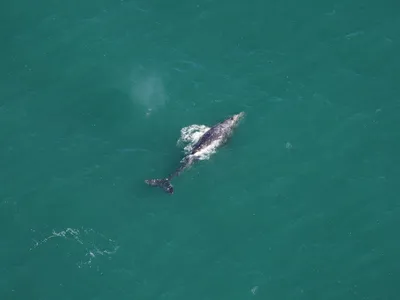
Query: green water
x: 302, y: 203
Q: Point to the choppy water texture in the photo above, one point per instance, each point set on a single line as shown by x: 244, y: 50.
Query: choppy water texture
x: 302, y: 203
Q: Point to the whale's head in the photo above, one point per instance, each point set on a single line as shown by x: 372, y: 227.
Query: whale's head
x: 235, y: 119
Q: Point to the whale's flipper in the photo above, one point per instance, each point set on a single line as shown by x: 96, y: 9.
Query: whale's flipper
x: 162, y: 183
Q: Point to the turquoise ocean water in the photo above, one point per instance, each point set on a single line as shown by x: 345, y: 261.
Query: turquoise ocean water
x: 303, y: 201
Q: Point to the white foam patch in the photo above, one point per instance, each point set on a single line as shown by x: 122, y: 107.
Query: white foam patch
x: 206, y: 152
x: 92, y: 243
x: 190, y: 135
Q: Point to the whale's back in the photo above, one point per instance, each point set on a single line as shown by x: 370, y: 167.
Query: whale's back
x: 207, y: 139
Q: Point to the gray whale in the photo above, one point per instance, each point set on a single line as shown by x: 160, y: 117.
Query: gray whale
x: 215, y: 137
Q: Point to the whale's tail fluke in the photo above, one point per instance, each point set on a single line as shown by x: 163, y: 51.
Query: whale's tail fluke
x: 165, y: 184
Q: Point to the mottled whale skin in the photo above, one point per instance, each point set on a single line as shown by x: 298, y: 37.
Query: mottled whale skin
x: 215, y: 137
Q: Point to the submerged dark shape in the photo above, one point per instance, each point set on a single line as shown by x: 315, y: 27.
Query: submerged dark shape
x: 218, y: 134
x: 162, y: 183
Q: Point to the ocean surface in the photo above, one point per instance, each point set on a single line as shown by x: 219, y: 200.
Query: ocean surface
x: 301, y: 203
